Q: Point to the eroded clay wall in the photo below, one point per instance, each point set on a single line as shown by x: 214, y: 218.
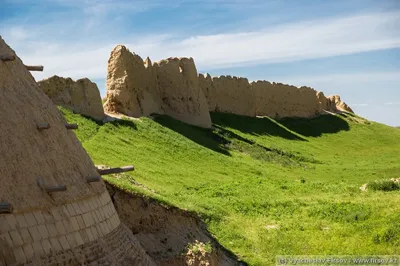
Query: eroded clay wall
x: 81, y: 96
x: 281, y: 100
x: 181, y: 95
x: 138, y: 88
x: 131, y: 85
x: 262, y: 98
x: 228, y: 94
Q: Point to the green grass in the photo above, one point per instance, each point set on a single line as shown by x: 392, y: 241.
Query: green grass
x: 302, y: 175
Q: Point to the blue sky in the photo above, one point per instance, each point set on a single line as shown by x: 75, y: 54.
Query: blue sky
x: 349, y: 47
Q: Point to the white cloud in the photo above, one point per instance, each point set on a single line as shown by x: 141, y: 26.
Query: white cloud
x: 392, y: 103
x: 281, y: 43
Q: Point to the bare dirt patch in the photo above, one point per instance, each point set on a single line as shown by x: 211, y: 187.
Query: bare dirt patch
x: 169, y: 235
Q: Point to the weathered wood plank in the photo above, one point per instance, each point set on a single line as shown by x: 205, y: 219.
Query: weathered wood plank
x: 91, y: 179
x: 7, y: 57
x: 116, y: 170
x: 43, y: 126
x: 58, y: 188
x: 71, y: 126
x: 6, y: 207
x: 34, y: 68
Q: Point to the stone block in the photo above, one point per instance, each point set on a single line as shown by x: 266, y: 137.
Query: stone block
x: 51, y: 228
x: 74, y: 223
x: 46, y: 246
x: 16, y: 238
x: 37, y: 248
x: 35, y: 233
x: 68, y: 226
x: 6, y: 237
x: 12, y: 222
x: 19, y: 255
x: 39, y: 217
x: 21, y: 221
x: 60, y: 228
x: 26, y: 236
x: 78, y: 238
x: 88, y: 219
x: 43, y: 231
x: 64, y: 242
x: 81, y: 223
x: 55, y: 245
x: 71, y: 240
x: 57, y: 214
x: 29, y: 252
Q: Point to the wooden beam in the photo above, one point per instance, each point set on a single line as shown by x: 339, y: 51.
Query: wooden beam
x: 116, y: 170
x: 71, y: 126
x: 6, y: 207
x: 34, y: 68
x: 7, y: 57
x: 55, y: 189
x: 50, y: 189
x: 43, y: 126
x: 91, y: 179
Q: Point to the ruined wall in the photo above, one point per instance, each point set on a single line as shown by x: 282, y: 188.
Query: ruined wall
x: 81, y: 96
x: 281, y: 100
x: 181, y: 95
x: 76, y: 226
x: 262, y: 98
x: 138, y: 88
x: 228, y: 94
x: 131, y: 85
x: 335, y: 101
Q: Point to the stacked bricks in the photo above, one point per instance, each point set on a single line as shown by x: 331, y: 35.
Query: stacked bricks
x: 39, y: 233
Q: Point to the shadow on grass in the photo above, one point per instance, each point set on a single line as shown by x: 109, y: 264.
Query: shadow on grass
x: 288, y: 128
x: 315, y: 127
x: 254, y: 125
x: 202, y: 136
x: 125, y: 123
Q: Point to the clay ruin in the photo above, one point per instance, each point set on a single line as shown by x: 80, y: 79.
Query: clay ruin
x: 81, y: 96
x: 138, y: 88
x: 50, y: 213
x: 173, y: 87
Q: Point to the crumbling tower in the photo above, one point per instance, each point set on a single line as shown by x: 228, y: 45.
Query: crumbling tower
x: 54, y: 207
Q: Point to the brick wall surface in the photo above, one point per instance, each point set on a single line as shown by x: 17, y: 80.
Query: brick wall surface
x: 39, y: 233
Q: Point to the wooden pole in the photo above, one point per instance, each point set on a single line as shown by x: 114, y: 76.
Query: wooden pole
x: 71, y: 126
x: 43, y: 126
x: 6, y: 207
x: 116, y: 170
x: 91, y: 179
x: 7, y: 57
x: 49, y: 189
x: 34, y: 68
x: 55, y: 189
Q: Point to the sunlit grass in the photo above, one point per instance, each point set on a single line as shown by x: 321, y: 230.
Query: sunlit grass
x: 264, y: 187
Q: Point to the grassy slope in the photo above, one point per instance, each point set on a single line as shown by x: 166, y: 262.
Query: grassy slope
x: 302, y: 175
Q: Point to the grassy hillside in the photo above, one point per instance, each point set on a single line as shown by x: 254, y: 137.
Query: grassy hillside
x: 264, y: 187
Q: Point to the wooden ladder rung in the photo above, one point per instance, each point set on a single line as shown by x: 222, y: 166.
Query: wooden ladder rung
x: 6, y: 207
x: 116, y: 170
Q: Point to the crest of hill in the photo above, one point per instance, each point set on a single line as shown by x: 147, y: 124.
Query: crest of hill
x: 81, y: 96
